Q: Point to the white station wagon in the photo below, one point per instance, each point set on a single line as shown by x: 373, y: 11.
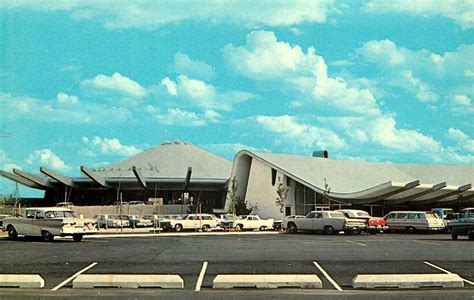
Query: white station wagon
x: 48, y: 222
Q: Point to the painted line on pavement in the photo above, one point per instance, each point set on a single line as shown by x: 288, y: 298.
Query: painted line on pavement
x: 446, y: 271
x: 357, y: 243
x: 327, y: 276
x: 201, y: 277
x: 72, y: 277
x: 428, y: 243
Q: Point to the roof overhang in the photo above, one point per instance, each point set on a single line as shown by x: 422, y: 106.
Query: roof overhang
x: 60, y: 178
x: 22, y: 180
x: 43, y: 182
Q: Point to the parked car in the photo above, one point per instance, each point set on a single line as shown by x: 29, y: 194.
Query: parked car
x: 64, y: 204
x: 446, y: 214
x: 117, y: 203
x: 158, y: 221
x: 108, y: 221
x: 252, y: 222
x: 373, y: 224
x: 464, y: 225
x: 48, y: 222
x: 412, y: 221
x: 3, y: 217
x: 136, y: 203
x: 136, y: 221
x: 195, y: 221
x: 328, y: 222
x: 226, y: 221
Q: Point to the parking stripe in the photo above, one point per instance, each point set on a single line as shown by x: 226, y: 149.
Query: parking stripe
x: 201, y: 277
x: 327, y: 276
x: 357, y: 243
x: 446, y: 271
x: 428, y: 243
x: 72, y: 277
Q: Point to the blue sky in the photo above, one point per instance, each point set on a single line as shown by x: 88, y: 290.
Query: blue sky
x: 93, y: 82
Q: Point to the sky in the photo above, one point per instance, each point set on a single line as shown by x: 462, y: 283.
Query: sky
x: 88, y: 83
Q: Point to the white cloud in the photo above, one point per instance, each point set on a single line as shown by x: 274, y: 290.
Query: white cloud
x: 264, y: 58
x: 461, y: 105
x: 179, y: 117
x: 201, y: 94
x: 306, y: 135
x: 212, y: 116
x: 110, y: 146
x: 29, y: 108
x: 152, y: 14
x: 118, y: 83
x: 170, y: 86
x: 457, y: 135
x: 193, y: 68
x: 46, y: 157
x: 420, y: 89
x: 460, y: 11
x: 419, y: 72
x: 66, y: 99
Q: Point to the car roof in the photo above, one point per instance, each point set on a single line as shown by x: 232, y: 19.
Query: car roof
x: 49, y: 208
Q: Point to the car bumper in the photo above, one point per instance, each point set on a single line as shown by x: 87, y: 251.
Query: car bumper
x: 378, y: 228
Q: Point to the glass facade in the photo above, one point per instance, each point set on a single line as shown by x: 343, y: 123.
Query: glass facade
x: 306, y: 199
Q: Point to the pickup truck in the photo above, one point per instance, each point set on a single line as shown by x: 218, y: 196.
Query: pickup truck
x: 463, y: 225
x: 48, y: 222
x: 328, y: 222
x: 252, y: 222
x: 195, y: 221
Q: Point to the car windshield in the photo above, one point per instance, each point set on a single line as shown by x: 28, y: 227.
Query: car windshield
x: 59, y: 214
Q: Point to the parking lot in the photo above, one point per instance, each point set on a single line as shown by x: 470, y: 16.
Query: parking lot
x: 336, y: 260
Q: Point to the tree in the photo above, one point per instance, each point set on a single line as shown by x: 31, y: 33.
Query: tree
x: 327, y: 190
x: 282, y: 194
x: 196, y: 203
x: 241, y: 207
x: 233, y: 196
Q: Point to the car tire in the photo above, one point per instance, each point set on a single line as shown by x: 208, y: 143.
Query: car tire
x: 178, y: 227
x: 47, y: 236
x: 454, y: 236
x: 470, y: 236
x: 206, y: 228
x: 77, y: 237
x: 292, y: 228
x: 329, y: 230
x: 240, y: 227
x: 12, y: 234
x: 373, y: 231
x: 262, y: 228
x: 411, y: 229
x: 348, y: 232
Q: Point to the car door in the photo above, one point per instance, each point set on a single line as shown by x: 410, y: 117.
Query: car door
x: 307, y: 222
x: 318, y: 222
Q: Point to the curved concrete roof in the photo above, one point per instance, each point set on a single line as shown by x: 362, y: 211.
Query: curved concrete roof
x: 371, y: 182
x: 171, y: 160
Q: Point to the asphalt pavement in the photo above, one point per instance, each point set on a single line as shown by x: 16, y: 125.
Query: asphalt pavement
x: 341, y: 257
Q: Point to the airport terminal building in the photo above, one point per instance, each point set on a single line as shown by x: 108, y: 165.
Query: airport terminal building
x: 177, y: 173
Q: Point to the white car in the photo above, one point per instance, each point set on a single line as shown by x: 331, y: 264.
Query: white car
x: 328, y: 222
x: 107, y: 221
x: 48, y: 222
x: 205, y: 222
x: 253, y: 222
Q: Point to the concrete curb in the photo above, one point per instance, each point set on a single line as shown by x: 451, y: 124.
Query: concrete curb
x: 266, y: 281
x: 27, y: 281
x: 128, y: 281
x: 407, y: 281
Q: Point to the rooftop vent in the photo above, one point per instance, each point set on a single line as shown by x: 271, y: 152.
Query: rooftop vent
x: 321, y: 153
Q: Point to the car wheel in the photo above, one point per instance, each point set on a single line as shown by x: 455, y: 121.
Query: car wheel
x: 47, y: 236
x: 178, y: 227
x: 329, y: 229
x: 348, y: 232
x: 411, y: 229
x: 262, y: 228
x: 373, y: 231
x: 77, y: 237
x: 292, y: 228
x: 454, y: 236
x: 206, y: 228
x: 240, y: 227
x: 471, y: 236
x: 12, y: 234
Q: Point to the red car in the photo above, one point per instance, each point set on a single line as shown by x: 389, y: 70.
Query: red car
x: 374, y: 224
